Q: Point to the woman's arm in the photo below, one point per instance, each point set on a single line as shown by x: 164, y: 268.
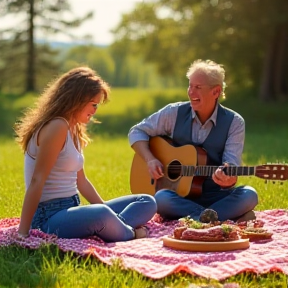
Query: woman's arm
x: 87, y: 189
x: 51, y: 140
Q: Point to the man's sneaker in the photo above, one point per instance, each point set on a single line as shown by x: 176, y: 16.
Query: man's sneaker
x: 250, y: 215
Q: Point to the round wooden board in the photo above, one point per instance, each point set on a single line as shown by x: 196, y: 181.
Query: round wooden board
x: 201, y: 246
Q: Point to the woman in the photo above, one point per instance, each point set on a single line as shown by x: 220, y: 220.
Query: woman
x: 52, y: 135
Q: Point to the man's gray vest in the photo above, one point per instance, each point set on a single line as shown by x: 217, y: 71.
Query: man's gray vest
x: 214, y: 143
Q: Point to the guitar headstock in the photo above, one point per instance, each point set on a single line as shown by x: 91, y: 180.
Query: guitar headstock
x: 272, y: 172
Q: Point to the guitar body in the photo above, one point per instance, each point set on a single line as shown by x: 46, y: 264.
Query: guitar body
x: 172, y: 159
x: 185, y: 169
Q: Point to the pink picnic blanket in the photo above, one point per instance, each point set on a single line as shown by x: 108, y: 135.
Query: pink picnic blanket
x: 149, y: 257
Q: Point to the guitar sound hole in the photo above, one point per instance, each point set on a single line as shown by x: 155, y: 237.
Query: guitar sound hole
x: 174, y: 170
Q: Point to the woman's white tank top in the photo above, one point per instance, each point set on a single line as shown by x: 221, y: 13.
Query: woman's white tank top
x: 62, y: 180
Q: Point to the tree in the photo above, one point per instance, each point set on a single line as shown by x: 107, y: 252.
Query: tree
x: 45, y: 16
x: 240, y: 34
x: 95, y: 57
x: 274, y: 84
x: 116, y: 65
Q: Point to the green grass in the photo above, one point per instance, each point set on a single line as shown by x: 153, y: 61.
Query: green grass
x: 107, y: 164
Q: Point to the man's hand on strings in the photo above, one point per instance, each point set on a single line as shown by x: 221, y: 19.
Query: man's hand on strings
x: 155, y: 168
x: 223, y: 179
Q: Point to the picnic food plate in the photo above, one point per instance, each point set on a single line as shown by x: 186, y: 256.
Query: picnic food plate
x: 202, y: 246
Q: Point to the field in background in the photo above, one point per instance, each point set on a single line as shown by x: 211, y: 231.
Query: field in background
x: 109, y: 156
x: 107, y: 164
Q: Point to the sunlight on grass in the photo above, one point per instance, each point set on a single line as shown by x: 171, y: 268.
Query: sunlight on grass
x: 107, y: 164
x: 11, y: 178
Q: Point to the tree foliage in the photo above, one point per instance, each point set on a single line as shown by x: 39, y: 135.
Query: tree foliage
x: 97, y: 58
x: 116, y: 65
x: 250, y: 37
x: 21, y: 54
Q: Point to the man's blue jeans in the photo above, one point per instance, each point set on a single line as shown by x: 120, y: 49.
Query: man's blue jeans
x: 228, y: 203
x: 112, y: 221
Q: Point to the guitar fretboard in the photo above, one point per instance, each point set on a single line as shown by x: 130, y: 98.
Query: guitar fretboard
x: 209, y: 170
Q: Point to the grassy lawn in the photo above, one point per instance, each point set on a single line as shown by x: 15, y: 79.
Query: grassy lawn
x: 107, y: 161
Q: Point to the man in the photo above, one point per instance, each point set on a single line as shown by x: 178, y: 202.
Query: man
x: 202, y: 122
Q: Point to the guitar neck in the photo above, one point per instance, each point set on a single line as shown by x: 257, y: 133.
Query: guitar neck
x: 209, y: 170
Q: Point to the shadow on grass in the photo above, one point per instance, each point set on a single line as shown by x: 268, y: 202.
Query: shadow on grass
x: 50, y: 267
x: 25, y: 266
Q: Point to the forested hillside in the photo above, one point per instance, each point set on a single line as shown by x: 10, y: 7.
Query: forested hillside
x: 154, y: 44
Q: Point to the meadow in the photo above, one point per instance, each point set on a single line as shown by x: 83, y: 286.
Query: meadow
x: 107, y: 164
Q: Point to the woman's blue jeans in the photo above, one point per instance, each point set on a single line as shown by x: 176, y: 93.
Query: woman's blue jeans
x: 112, y: 221
x: 228, y: 203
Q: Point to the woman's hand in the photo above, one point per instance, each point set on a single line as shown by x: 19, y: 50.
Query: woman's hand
x: 22, y: 236
x: 18, y: 236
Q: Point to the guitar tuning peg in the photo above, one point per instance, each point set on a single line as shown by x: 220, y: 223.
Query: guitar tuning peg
x: 273, y: 182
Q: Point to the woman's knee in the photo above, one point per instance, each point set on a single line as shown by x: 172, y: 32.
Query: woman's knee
x: 97, y: 211
x: 102, y: 216
x: 146, y: 198
x: 151, y: 201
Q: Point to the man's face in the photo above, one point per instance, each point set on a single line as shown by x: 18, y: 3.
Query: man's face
x: 201, y: 94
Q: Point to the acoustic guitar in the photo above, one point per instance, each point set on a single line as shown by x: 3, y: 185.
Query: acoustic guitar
x: 185, y: 169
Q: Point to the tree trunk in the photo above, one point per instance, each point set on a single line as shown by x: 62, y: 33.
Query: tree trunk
x: 273, y: 85
x: 30, y: 76
x: 281, y: 61
x: 267, y: 72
